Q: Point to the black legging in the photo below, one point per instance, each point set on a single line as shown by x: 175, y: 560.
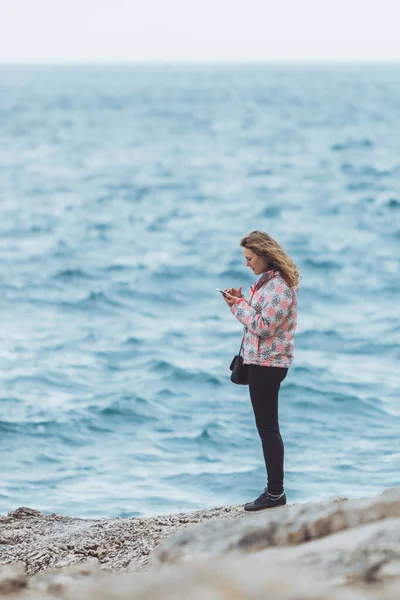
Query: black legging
x: 264, y: 383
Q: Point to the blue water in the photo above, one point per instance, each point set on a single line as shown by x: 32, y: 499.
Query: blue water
x: 124, y: 192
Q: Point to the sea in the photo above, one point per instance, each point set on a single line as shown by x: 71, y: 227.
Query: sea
x: 124, y: 193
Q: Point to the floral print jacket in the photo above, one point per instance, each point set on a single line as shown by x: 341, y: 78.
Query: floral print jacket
x: 270, y: 319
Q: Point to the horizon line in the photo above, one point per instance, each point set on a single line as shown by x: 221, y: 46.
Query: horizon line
x: 200, y: 62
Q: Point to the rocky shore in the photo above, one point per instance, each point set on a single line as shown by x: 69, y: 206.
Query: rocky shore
x: 337, y: 549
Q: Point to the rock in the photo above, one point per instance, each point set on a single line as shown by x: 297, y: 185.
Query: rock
x: 227, y: 579
x: 323, y: 551
x: 12, y: 580
x: 42, y: 542
x: 364, y: 554
x: 23, y: 513
x: 288, y: 525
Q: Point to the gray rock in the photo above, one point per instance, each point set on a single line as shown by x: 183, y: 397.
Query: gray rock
x: 12, y: 580
x: 41, y: 542
x: 288, y: 525
x: 364, y: 554
x: 227, y: 579
x: 323, y: 551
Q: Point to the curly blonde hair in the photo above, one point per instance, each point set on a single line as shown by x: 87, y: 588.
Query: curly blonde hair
x: 262, y: 244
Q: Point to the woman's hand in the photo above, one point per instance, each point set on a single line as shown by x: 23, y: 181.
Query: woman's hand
x: 231, y: 295
x: 236, y: 293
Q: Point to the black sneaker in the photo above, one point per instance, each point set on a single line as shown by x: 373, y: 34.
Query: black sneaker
x: 266, y: 501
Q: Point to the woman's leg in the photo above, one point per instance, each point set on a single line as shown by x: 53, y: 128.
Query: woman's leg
x: 264, y: 384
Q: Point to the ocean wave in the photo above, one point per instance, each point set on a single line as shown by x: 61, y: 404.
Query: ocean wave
x: 37, y: 427
x: 172, y: 372
x: 94, y: 300
x: 71, y: 274
x: 367, y: 171
x: 134, y: 409
x: 353, y: 145
x: 320, y: 263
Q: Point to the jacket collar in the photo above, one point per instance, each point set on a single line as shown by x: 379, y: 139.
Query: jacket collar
x: 266, y: 276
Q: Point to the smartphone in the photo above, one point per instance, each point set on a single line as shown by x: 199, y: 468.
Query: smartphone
x: 221, y: 291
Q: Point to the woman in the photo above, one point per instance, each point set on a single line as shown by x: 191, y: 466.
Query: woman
x: 269, y: 318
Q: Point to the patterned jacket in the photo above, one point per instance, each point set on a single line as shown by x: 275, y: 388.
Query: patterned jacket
x: 270, y: 320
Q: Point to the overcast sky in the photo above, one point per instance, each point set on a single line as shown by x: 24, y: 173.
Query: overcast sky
x: 198, y: 30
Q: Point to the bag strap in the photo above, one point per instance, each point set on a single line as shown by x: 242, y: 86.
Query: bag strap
x: 245, y: 328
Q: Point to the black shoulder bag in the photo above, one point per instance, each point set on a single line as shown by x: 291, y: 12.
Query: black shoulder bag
x: 240, y: 371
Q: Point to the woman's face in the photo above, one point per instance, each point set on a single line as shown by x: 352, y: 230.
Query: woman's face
x: 257, y: 263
